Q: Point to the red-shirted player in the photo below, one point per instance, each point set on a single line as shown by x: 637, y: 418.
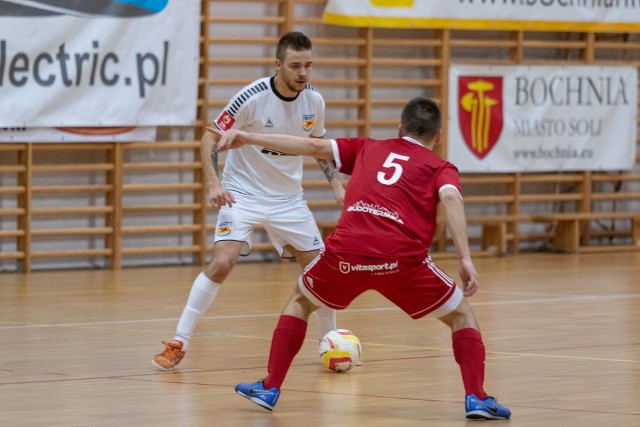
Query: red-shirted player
x: 390, y: 204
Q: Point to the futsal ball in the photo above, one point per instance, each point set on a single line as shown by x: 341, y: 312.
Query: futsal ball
x: 340, y: 350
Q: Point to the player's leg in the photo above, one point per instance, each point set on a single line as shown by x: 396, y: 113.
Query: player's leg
x: 424, y: 290
x: 292, y: 324
x: 468, y: 348
x: 203, y: 292
x: 288, y: 337
x: 206, y: 286
x: 326, y: 316
x: 294, y: 233
x: 234, y: 233
x: 287, y: 341
x: 469, y: 353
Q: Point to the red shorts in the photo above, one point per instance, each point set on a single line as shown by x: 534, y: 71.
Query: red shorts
x: 418, y: 289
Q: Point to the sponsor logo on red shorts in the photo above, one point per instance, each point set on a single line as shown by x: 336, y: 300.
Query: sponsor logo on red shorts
x: 387, y: 267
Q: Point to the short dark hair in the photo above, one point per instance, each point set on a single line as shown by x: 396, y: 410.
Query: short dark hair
x: 294, y: 40
x: 421, y: 118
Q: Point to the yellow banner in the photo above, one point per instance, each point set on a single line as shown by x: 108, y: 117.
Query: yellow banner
x: 548, y: 15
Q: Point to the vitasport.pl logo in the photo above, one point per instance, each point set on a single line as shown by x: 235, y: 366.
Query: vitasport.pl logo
x: 347, y: 268
x: 88, y: 66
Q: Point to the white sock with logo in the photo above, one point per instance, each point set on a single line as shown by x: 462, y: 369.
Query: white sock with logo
x: 203, y: 292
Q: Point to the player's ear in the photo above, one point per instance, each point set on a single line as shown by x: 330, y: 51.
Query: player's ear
x: 436, y: 139
x: 278, y: 65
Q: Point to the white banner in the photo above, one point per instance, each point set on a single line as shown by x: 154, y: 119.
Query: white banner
x: 538, y: 15
x: 542, y: 118
x: 108, y: 134
x: 69, y: 63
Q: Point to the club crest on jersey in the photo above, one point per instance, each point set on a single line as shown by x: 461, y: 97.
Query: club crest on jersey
x: 224, y: 229
x: 225, y: 121
x: 308, y: 121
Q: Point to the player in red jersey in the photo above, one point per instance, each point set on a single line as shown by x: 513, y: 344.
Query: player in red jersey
x: 390, y: 203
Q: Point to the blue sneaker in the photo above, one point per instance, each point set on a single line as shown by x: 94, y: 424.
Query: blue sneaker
x: 487, y: 409
x: 258, y: 394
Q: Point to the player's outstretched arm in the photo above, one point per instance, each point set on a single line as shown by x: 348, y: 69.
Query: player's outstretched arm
x: 453, y: 209
x: 334, y: 180
x: 302, y: 146
x: 218, y: 195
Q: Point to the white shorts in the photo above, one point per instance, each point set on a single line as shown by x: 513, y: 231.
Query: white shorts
x: 287, y: 222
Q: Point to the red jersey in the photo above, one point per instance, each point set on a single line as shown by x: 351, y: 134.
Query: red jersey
x: 391, y: 200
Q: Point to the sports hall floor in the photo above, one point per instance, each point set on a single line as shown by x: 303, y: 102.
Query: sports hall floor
x: 561, y: 333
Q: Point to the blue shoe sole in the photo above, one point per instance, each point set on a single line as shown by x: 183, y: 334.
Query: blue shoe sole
x: 255, y: 400
x: 482, y: 415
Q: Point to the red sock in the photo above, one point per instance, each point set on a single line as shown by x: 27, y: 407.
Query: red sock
x: 286, y: 343
x: 468, y: 350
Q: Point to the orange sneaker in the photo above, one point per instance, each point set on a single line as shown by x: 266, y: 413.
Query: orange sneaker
x: 170, y: 357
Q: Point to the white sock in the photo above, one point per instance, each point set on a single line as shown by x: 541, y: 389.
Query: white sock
x: 203, y: 292
x: 326, y: 320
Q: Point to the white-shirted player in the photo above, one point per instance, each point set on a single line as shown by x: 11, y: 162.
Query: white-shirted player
x: 260, y: 186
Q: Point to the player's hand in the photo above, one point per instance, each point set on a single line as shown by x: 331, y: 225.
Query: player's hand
x: 338, y: 194
x: 229, y: 139
x: 469, y: 277
x: 219, y: 196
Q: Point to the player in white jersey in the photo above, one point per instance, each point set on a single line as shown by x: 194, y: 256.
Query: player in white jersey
x: 259, y: 107
x: 260, y: 186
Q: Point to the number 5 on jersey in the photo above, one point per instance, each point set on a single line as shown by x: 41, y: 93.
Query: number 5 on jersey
x: 391, y: 162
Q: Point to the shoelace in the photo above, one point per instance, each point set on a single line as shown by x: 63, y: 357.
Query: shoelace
x: 254, y: 390
x: 495, y: 403
x: 172, y: 349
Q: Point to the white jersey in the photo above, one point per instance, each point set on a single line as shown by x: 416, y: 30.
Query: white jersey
x: 259, y: 108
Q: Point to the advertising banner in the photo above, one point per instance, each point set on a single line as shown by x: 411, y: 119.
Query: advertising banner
x: 536, y: 15
x: 92, y: 134
x: 542, y: 118
x: 108, y: 63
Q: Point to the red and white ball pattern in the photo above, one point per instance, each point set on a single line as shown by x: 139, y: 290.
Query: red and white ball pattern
x: 340, y: 350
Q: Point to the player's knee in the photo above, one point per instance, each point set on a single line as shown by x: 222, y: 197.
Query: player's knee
x: 303, y: 301
x: 467, y: 311
x: 460, y: 318
x: 219, y: 268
